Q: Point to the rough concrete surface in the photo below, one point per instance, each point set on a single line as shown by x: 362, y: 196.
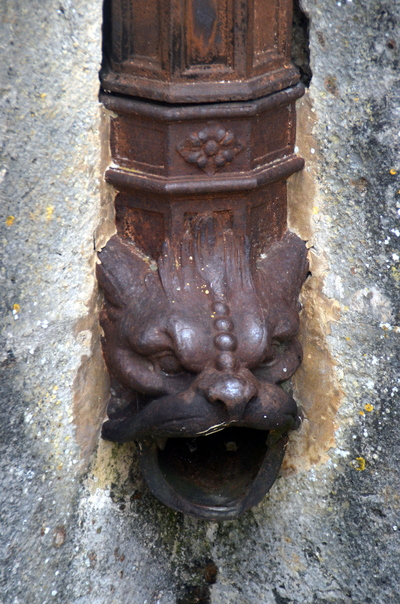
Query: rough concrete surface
x: 329, y: 530
x: 50, y: 209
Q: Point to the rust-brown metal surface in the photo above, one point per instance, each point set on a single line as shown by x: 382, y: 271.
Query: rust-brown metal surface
x: 191, y: 51
x: 202, y: 279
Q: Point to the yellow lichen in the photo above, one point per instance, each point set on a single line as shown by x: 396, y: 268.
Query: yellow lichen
x: 49, y: 212
x: 393, y: 172
x: 361, y: 464
x: 368, y: 407
x: 395, y: 273
x: 16, y: 307
x: 10, y: 220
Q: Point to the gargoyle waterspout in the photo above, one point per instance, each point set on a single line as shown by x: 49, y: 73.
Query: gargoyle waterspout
x: 202, y: 280
x: 197, y: 347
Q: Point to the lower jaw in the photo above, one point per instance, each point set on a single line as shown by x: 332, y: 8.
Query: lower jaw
x: 215, y: 477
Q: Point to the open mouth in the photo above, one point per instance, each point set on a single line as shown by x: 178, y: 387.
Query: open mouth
x: 216, y: 469
x: 214, y: 477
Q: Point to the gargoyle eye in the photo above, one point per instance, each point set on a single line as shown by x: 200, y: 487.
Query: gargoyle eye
x: 170, y: 365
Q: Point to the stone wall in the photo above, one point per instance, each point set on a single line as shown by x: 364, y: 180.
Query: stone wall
x: 78, y: 525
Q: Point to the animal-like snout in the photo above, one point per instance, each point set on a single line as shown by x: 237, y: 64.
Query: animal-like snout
x: 233, y: 392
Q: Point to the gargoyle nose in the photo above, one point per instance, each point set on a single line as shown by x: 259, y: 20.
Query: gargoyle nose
x: 233, y: 392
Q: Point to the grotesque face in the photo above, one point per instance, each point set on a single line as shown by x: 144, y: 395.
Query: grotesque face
x: 196, y: 347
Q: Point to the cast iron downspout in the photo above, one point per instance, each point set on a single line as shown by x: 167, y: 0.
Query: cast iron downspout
x: 201, y: 281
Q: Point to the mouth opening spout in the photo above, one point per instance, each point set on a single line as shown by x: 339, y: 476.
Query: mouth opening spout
x: 216, y: 476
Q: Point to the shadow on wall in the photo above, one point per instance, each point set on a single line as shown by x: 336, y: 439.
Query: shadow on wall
x: 300, y: 55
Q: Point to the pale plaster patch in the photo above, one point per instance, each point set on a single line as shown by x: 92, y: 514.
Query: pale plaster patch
x: 113, y: 464
x: 316, y: 387
x: 92, y: 383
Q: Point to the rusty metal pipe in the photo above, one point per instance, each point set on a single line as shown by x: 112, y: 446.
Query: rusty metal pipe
x: 202, y: 280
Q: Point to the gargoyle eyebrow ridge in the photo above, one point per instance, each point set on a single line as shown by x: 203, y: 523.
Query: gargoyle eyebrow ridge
x: 152, y: 341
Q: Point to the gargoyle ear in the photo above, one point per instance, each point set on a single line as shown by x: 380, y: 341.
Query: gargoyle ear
x: 125, y: 274
x: 280, y: 274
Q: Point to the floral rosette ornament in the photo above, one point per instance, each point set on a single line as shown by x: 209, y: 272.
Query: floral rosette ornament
x: 210, y: 149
